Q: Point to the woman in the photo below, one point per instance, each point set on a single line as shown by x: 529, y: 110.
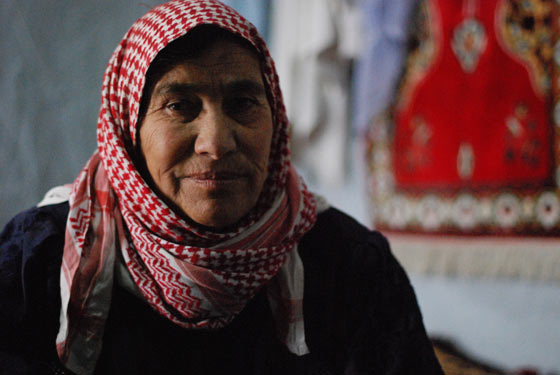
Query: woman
x: 188, y: 243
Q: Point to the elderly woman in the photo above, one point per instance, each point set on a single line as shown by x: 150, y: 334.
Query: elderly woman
x: 188, y: 243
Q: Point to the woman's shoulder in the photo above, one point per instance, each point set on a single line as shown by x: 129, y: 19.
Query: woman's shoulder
x: 356, y: 288
x: 28, y: 234
x: 334, y: 224
x: 339, y: 239
x: 32, y: 234
x: 339, y: 250
x: 31, y: 247
x: 349, y: 271
x: 36, y: 224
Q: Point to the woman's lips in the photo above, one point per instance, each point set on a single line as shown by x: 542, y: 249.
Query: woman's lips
x: 216, y: 180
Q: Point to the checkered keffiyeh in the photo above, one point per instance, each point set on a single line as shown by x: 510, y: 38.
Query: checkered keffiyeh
x: 196, y: 278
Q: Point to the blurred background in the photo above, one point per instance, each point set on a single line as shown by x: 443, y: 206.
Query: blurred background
x: 433, y: 121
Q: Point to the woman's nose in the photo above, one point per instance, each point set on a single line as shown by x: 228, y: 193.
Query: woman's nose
x: 215, y: 136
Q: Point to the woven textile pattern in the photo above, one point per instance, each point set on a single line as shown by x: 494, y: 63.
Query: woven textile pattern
x: 471, y: 145
x: 195, y: 277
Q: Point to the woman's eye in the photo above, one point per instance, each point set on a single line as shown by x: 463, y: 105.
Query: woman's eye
x: 247, y: 102
x: 241, y: 105
x: 175, y: 106
x: 179, y: 106
x: 188, y: 110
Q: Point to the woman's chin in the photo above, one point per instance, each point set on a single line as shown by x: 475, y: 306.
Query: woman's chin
x: 217, y: 213
x: 216, y: 204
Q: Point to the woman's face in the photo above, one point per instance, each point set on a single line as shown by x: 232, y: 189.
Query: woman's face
x: 207, y: 132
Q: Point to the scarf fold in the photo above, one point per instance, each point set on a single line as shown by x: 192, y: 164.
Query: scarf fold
x: 197, y: 278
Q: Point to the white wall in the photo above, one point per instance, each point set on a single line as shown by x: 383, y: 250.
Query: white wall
x: 508, y: 323
x: 53, y: 56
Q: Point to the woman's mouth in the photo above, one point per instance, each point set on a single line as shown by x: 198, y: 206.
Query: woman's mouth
x: 216, y: 180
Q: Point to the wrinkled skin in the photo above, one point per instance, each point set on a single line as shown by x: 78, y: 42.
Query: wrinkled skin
x: 207, y: 132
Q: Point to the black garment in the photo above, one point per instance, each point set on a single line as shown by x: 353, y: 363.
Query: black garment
x: 361, y: 315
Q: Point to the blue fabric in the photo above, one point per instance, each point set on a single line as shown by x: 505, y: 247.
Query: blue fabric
x: 30, y: 257
x: 379, y: 65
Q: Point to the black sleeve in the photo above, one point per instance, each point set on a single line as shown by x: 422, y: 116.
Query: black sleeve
x: 391, y: 334
x: 31, y: 248
x: 361, y: 314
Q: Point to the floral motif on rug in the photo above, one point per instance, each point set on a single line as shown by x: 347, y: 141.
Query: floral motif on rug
x: 472, y: 143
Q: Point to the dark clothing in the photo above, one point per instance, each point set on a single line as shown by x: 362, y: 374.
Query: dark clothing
x: 361, y: 315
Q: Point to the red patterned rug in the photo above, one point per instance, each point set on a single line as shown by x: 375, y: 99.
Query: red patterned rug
x: 472, y: 145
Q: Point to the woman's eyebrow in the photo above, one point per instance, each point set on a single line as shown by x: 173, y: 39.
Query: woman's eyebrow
x: 250, y: 86
x: 179, y: 88
x: 245, y: 86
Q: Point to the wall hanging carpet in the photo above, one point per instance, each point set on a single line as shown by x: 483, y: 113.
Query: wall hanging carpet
x: 465, y: 165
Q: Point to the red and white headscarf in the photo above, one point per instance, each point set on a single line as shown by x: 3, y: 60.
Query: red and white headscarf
x: 118, y: 227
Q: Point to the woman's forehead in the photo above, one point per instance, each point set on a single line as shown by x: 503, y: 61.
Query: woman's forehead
x: 205, y: 48
x: 223, y: 62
